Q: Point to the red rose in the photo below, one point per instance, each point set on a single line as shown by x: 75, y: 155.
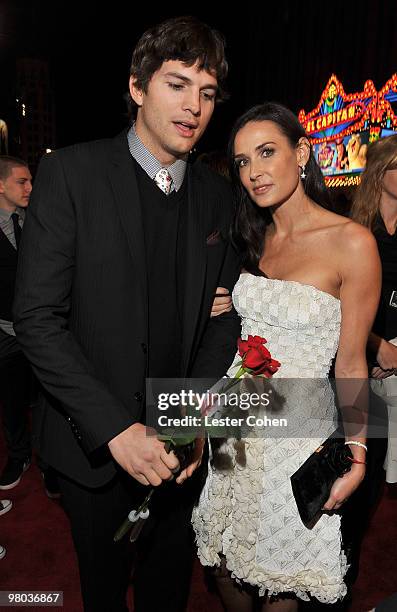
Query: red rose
x: 256, y: 359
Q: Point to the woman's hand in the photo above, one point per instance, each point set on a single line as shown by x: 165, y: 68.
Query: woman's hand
x: 196, y: 461
x: 344, y: 486
x: 222, y: 303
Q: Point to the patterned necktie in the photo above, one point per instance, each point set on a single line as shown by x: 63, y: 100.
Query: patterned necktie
x: 163, y: 180
x: 17, y: 229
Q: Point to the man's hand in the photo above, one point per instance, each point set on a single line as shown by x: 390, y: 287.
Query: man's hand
x: 221, y: 304
x: 196, y: 461
x: 386, y: 355
x: 142, y: 456
x: 380, y: 374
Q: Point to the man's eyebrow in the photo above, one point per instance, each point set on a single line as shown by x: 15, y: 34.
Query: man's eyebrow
x: 188, y: 81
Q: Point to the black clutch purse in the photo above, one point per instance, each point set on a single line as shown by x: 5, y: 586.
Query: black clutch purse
x: 312, y: 482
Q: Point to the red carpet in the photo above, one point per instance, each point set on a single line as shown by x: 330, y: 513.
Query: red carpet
x: 40, y: 555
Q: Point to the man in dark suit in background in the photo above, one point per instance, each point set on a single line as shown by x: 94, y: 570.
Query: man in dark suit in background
x: 17, y: 387
x: 123, y: 249
x: 15, y: 374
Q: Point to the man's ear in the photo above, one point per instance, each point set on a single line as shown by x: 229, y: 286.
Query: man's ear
x: 1, y: 186
x: 303, y: 151
x: 136, y: 93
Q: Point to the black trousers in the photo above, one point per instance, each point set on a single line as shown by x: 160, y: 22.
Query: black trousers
x: 161, y: 561
x: 15, y: 394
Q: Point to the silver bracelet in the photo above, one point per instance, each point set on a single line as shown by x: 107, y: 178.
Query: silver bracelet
x: 356, y: 443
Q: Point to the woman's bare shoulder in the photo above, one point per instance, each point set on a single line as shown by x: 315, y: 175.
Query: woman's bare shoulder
x: 346, y: 242
x: 354, y: 236
x: 347, y: 232
x: 357, y: 252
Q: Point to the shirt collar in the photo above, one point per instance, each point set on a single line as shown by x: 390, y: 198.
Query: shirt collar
x: 150, y: 164
x: 5, y: 215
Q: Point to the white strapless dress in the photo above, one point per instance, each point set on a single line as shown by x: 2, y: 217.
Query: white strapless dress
x: 248, y: 513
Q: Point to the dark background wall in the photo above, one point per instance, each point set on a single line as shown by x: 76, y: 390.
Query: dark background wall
x: 282, y: 50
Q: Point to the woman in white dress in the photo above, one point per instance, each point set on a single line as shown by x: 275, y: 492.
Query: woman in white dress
x: 310, y: 286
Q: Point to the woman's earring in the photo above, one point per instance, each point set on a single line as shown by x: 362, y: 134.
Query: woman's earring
x: 303, y: 175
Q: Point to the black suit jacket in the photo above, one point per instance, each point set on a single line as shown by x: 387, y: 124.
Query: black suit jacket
x: 81, y: 312
x: 8, y: 264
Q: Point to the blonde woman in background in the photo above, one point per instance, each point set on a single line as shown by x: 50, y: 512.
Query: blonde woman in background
x: 375, y: 206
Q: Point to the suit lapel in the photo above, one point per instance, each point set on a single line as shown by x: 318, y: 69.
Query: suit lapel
x: 195, y: 265
x: 125, y: 188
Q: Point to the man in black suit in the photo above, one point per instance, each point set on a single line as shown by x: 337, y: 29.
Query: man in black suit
x: 123, y: 249
x: 15, y: 375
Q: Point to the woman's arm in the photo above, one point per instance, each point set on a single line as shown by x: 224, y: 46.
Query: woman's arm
x: 360, y: 271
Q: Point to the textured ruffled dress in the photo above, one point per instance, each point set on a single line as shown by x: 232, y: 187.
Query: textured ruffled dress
x: 247, y: 513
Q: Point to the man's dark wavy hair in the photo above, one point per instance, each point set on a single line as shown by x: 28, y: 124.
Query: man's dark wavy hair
x: 181, y: 38
x: 250, y: 221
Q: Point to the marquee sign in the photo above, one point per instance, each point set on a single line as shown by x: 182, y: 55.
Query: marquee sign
x: 342, y: 125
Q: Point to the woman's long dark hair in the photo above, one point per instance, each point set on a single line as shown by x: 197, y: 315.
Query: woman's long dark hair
x: 250, y: 221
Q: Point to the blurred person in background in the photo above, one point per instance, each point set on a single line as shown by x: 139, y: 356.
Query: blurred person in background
x: 15, y: 373
x: 375, y: 206
x: 5, y: 506
x: 16, y: 380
